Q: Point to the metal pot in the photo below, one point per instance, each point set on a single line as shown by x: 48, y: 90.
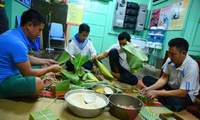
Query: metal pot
x: 123, y: 113
x: 85, y: 112
x: 95, y: 87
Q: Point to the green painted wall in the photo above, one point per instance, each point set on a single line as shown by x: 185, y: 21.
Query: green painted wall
x: 105, y: 36
x: 109, y: 35
x: 13, y: 8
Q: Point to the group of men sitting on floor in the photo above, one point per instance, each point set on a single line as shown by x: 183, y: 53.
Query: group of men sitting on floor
x: 177, y: 87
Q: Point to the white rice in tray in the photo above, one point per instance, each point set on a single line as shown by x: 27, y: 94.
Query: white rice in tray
x: 78, y: 100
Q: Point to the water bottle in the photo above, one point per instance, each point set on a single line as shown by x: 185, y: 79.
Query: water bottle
x: 160, y: 30
x: 158, y: 38
x: 153, y: 30
x: 150, y: 37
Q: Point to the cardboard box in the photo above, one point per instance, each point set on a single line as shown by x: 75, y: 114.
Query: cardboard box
x: 43, y: 115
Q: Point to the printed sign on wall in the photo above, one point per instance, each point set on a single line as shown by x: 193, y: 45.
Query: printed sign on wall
x: 164, y: 18
x: 178, y: 15
x: 75, y: 12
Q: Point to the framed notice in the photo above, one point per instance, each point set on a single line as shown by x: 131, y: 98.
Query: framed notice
x: 26, y: 3
x: 178, y: 15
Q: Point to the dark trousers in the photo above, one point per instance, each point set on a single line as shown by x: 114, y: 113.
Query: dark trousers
x: 125, y: 75
x: 172, y: 103
x: 88, y: 65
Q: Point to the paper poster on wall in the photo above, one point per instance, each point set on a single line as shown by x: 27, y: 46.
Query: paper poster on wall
x: 164, y: 18
x: 75, y: 14
x: 178, y: 15
x: 155, y: 18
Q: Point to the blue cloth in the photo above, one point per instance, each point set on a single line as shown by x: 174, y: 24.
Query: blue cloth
x: 81, y: 45
x: 13, y: 49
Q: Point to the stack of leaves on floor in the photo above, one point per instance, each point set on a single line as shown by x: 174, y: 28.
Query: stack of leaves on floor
x: 45, y: 114
x: 81, y: 78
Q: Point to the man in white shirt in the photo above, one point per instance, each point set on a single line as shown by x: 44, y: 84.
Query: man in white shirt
x: 179, y: 83
x: 80, y: 43
x: 117, y: 59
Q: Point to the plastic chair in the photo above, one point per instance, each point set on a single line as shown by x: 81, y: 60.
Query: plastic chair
x: 18, y: 21
x: 56, y: 33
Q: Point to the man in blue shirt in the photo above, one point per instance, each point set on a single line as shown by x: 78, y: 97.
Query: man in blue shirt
x: 17, y: 78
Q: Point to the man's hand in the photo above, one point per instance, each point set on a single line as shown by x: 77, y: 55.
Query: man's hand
x: 151, y: 94
x: 55, y: 68
x: 94, y: 58
x: 50, y: 62
x: 144, y: 90
x: 136, y: 47
x: 94, y: 67
x: 72, y: 58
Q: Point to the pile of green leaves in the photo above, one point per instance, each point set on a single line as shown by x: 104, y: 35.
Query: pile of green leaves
x: 81, y: 78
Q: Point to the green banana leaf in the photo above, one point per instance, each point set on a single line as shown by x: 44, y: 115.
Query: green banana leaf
x: 75, y: 87
x: 74, y: 78
x: 89, y: 77
x: 92, y: 77
x: 104, y: 71
x: 80, y: 60
x: 63, y: 85
x: 135, y: 57
x: 84, y: 76
x: 80, y: 72
x: 89, y: 85
x: 64, y: 58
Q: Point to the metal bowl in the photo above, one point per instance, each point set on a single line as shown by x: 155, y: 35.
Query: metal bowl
x: 95, y: 87
x: 85, y: 112
x: 123, y: 113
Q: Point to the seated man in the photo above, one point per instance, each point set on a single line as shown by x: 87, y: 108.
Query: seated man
x: 80, y: 43
x: 179, y: 83
x: 117, y: 59
x: 17, y: 78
